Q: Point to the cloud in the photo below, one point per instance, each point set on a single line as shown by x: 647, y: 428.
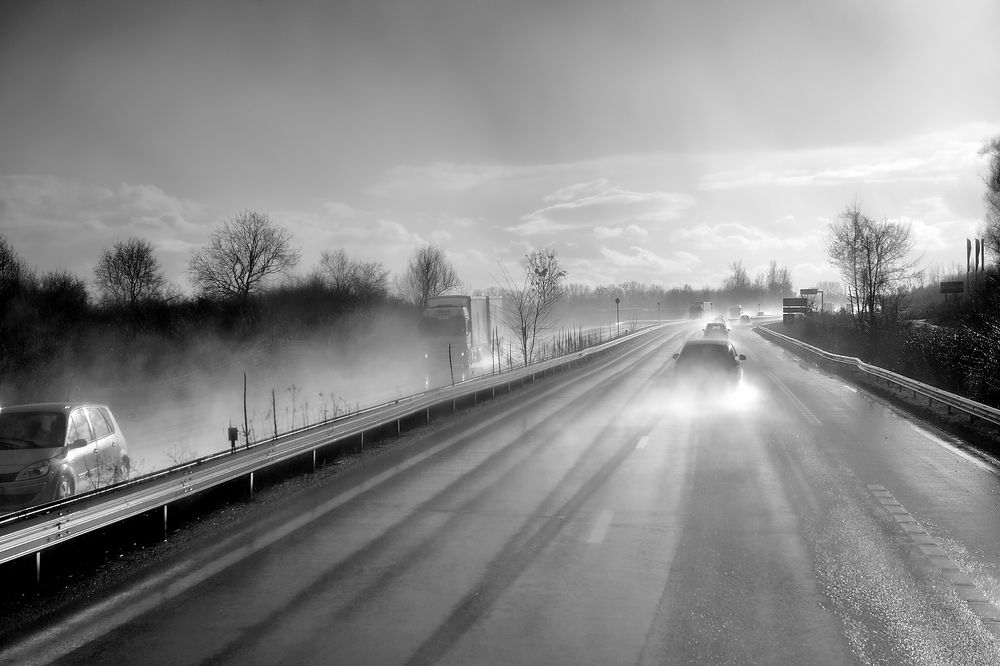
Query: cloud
x: 602, y: 205
x: 439, y: 178
x: 740, y: 237
x: 63, y: 224
x: 631, y: 232
x: 341, y: 210
x: 940, y: 157
x: 643, y: 258
x: 580, y: 190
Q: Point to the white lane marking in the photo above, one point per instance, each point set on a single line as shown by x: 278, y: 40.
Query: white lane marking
x: 963, y: 586
x: 948, y: 446
x: 643, y: 441
x: 805, y: 411
x: 600, y: 528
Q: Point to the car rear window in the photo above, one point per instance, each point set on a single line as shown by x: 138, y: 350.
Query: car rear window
x: 708, y: 354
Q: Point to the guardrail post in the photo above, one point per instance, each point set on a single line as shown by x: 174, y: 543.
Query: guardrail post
x: 251, y: 485
x: 165, y: 522
x: 314, y: 461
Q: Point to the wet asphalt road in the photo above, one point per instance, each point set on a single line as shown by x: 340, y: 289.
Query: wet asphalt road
x: 602, y: 517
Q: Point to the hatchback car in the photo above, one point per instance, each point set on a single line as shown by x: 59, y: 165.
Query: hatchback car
x: 706, y: 363
x: 717, y: 330
x: 49, y: 451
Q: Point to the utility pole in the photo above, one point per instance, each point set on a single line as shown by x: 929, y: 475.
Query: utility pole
x: 618, y: 318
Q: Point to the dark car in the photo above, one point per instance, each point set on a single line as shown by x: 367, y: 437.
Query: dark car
x: 709, y: 362
x: 49, y: 451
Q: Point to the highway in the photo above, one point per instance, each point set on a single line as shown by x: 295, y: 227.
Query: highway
x: 604, y: 516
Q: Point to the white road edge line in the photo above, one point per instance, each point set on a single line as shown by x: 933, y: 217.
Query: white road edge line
x: 600, y: 529
x: 643, y: 441
x: 948, y: 446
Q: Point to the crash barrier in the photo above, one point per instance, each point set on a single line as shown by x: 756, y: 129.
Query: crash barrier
x: 31, y: 531
x: 975, y: 410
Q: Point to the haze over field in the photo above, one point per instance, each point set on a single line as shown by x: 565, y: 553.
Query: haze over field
x: 650, y: 141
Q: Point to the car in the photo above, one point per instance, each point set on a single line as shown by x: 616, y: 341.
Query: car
x: 706, y: 362
x: 745, y: 320
x: 716, y: 329
x: 50, y: 451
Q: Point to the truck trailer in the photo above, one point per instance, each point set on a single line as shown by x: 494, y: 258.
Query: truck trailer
x: 457, y: 338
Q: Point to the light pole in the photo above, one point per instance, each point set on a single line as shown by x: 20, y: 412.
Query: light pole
x: 618, y: 319
x: 657, y: 312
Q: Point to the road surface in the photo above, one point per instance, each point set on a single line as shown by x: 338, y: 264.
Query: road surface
x: 599, y: 517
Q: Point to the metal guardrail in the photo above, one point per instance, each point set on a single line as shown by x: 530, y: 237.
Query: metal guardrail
x: 971, y: 407
x: 30, y: 531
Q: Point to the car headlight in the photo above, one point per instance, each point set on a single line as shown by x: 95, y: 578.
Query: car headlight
x: 34, y: 471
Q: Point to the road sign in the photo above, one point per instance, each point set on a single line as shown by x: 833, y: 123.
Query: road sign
x: 956, y: 287
x: 808, y: 292
x: 794, y: 305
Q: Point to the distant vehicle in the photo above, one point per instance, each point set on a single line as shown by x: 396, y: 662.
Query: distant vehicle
x: 706, y: 363
x: 718, y: 330
x: 699, y: 309
x: 745, y: 320
x: 735, y: 312
x: 456, y: 334
x: 761, y: 313
x: 50, y: 451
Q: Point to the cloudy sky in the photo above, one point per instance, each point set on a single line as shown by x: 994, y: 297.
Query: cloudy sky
x: 655, y: 141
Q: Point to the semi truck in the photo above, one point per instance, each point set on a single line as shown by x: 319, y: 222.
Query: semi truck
x: 457, y: 337
x: 699, y: 309
x: 735, y: 311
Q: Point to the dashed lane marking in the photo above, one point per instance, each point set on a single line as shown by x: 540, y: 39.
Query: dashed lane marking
x: 643, y: 441
x: 938, y: 558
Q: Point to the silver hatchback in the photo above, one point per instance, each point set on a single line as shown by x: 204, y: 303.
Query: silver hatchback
x: 49, y: 451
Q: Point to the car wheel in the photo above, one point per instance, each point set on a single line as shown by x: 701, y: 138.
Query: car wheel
x: 64, y: 486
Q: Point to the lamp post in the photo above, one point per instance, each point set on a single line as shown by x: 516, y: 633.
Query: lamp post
x: 618, y: 319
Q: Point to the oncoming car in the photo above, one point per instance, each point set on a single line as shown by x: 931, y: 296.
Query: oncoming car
x: 708, y: 363
x: 49, y: 451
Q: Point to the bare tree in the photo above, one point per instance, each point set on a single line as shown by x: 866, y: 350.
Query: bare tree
x: 991, y: 225
x: 873, y: 260
x: 129, y: 273
x: 358, y: 279
x: 776, y: 282
x: 242, y: 256
x: 15, y: 276
x: 738, y: 283
x: 429, y: 273
x: 529, y: 306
